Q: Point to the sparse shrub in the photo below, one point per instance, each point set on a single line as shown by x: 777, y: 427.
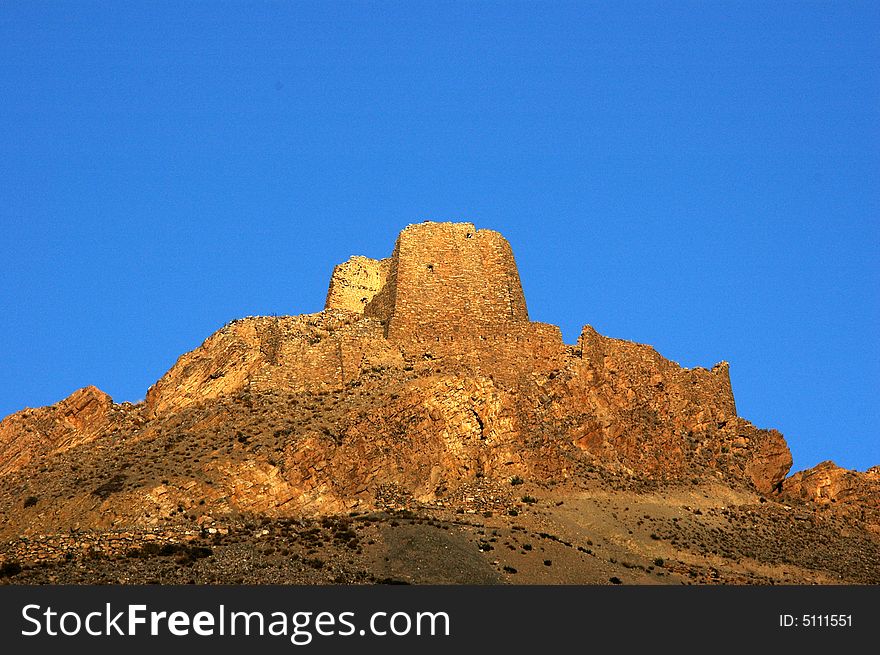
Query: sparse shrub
x: 658, y: 561
x: 30, y: 501
x: 114, y: 484
x: 615, y: 580
x: 529, y: 500
x: 515, y: 480
x: 9, y: 569
x: 167, y: 549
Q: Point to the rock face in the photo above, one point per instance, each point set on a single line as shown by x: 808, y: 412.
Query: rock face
x: 423, y: 373
x: 634, y: 406
x: 312, y: 352
x: 80, y: 418
x: 826, y: 486
x: 828, y: 483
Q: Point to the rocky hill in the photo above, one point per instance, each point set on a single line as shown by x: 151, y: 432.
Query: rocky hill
x: 421, y: 428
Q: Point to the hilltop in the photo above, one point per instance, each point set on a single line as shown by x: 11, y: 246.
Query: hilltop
x: 421, y: 428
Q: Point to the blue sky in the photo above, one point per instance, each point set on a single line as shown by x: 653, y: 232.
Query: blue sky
x: 703, y: 177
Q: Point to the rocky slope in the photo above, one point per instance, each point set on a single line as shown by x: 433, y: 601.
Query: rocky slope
x: 424, y: 388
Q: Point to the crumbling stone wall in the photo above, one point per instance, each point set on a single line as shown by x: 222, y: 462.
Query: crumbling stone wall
x: 44, y: 549
x: 355, y: 282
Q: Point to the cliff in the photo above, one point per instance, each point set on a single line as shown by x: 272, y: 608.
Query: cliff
x: 82, y: 417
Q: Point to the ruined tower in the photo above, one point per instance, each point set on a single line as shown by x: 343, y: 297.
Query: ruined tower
x: 443, y: 279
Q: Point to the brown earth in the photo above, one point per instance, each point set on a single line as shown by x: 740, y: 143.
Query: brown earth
x: 422, y: 429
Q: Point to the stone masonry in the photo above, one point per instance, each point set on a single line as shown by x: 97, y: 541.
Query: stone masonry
x: 447, y: 279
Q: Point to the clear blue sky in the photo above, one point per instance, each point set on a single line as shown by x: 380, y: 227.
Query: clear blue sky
x: 703, y: 177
